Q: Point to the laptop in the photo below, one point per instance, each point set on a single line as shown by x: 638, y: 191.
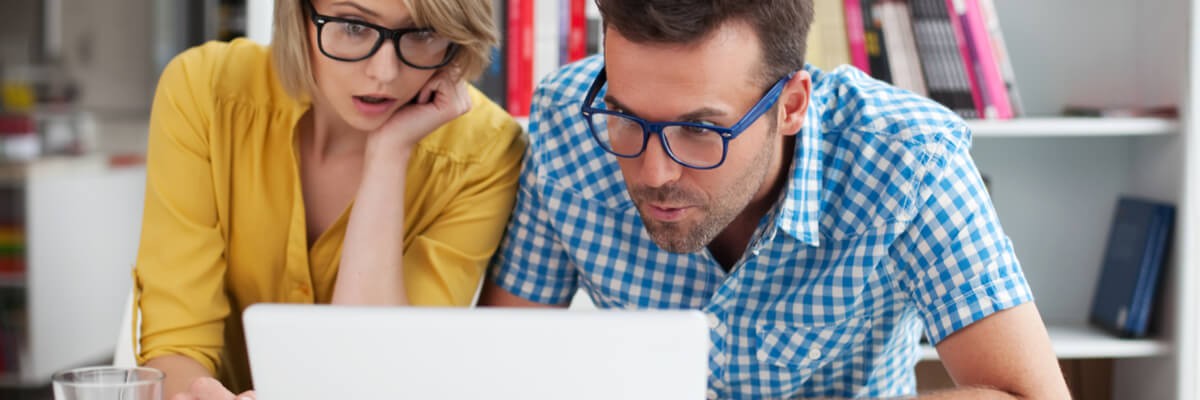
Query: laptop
x: 339, y: 352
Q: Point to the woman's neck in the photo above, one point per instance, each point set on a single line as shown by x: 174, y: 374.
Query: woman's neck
x: 325, y: 135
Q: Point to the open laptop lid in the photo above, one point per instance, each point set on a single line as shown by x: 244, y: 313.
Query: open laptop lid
x: 338, y: 352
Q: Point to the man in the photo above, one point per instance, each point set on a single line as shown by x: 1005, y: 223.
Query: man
x: 822, y: 220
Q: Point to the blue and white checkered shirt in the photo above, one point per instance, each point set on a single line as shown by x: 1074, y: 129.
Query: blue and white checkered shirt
x: 885, y: 231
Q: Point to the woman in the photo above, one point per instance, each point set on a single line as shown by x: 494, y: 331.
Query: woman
x: 256, y: 155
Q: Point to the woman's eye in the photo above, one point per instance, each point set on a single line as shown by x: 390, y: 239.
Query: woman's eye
x: 422, y: 35
x: 354, y: 29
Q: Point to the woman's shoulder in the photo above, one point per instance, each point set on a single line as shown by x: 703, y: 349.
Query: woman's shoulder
x: 482, y: 134
x: 238, y: 70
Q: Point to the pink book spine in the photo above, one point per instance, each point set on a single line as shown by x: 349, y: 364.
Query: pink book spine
x: 855, y: 35
x: 995, y: 95
x: 958, y: 11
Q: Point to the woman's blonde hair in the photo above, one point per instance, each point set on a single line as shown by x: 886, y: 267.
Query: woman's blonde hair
x: 467, y: 23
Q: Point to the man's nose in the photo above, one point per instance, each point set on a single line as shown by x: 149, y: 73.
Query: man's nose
x: 657, y: 167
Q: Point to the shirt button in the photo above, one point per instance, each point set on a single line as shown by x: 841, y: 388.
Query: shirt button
x: 814, y: 354
x: 304, y: 290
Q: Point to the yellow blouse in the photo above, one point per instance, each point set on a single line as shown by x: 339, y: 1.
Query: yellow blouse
x: 224, y: 223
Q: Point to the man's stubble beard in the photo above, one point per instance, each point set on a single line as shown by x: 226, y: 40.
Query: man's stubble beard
x: 717, y: 214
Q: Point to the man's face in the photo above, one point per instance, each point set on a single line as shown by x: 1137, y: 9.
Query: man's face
x: 718, y: 80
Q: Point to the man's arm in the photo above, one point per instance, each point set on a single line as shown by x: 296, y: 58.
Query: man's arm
x: 963, y: 277
x: 1006, y: 355
x: 495, y: 296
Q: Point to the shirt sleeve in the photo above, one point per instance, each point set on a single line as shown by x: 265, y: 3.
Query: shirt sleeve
x: 955, y: 262
x: 180, y: 271
x: 531, y: 262
x: 445, y: 263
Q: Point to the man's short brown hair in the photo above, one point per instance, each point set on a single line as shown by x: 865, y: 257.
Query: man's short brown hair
x: 781, y: 25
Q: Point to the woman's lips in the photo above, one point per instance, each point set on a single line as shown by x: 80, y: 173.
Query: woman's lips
x: 373, y: 106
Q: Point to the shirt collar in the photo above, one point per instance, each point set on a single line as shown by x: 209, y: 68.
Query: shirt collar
x: 799, y: 214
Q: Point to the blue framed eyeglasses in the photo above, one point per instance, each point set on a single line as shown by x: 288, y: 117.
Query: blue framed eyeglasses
x: 694, y: 145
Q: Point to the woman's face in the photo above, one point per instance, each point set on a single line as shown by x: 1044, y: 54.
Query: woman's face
x: 365, y: 93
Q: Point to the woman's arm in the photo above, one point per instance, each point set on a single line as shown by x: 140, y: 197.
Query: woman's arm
x: 180, y: 271
x: 371, y: 269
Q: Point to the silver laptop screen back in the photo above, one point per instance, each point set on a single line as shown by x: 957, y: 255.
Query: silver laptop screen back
x: 328, y: 352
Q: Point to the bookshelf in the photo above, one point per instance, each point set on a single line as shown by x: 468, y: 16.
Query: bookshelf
x: 1055, y: 180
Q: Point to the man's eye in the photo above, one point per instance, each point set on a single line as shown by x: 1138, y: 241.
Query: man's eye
x: 704, y: 129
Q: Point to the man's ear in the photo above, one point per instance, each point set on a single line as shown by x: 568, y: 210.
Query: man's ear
x: 793, y: 103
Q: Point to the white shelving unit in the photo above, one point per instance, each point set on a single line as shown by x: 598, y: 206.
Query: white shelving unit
x: 82, y: 220
x: 1073, y: 127
x: 1055, y: 181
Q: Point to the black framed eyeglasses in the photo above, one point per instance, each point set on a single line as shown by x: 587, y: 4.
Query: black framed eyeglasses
x: 694, y: 145
x: 352, y: 40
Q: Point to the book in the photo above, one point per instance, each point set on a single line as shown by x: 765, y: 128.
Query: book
x: 856, y: 35
x: 957, y: 15
x: 945, y: 74
x: 594, y: 28
x: 828, y: 45
x: 977, y: 53
x: 877, y: 53
x: 1134, y: 255
x: 992, y: 19
x: 494, y: 80
x: 576, y: 41
x: 519, y: 57
x: 548, y: 38
x: 901, y: 47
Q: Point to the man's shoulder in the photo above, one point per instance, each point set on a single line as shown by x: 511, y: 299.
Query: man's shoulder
x: 883, y: 143
x: 852, y: 103
x: 562, y: 153
x: 568, y: 84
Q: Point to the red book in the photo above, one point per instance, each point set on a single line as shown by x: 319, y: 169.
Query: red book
x: 520, y: 57
x: 577, y: 31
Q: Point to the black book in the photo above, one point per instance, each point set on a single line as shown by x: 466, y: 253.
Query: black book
x: 1129, y: 275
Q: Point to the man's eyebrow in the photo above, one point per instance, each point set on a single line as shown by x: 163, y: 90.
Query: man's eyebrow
x: 695, y: 115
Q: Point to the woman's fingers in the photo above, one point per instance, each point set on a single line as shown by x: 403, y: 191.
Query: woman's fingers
x: 208, y: 389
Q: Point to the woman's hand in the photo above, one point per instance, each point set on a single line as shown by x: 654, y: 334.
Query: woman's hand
x: 210, y: 389
x: 443, y: 98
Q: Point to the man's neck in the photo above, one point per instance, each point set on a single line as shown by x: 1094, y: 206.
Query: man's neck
x: 730, y: 245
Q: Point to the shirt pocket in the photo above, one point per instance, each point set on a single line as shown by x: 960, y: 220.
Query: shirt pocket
x: 804, y: 349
